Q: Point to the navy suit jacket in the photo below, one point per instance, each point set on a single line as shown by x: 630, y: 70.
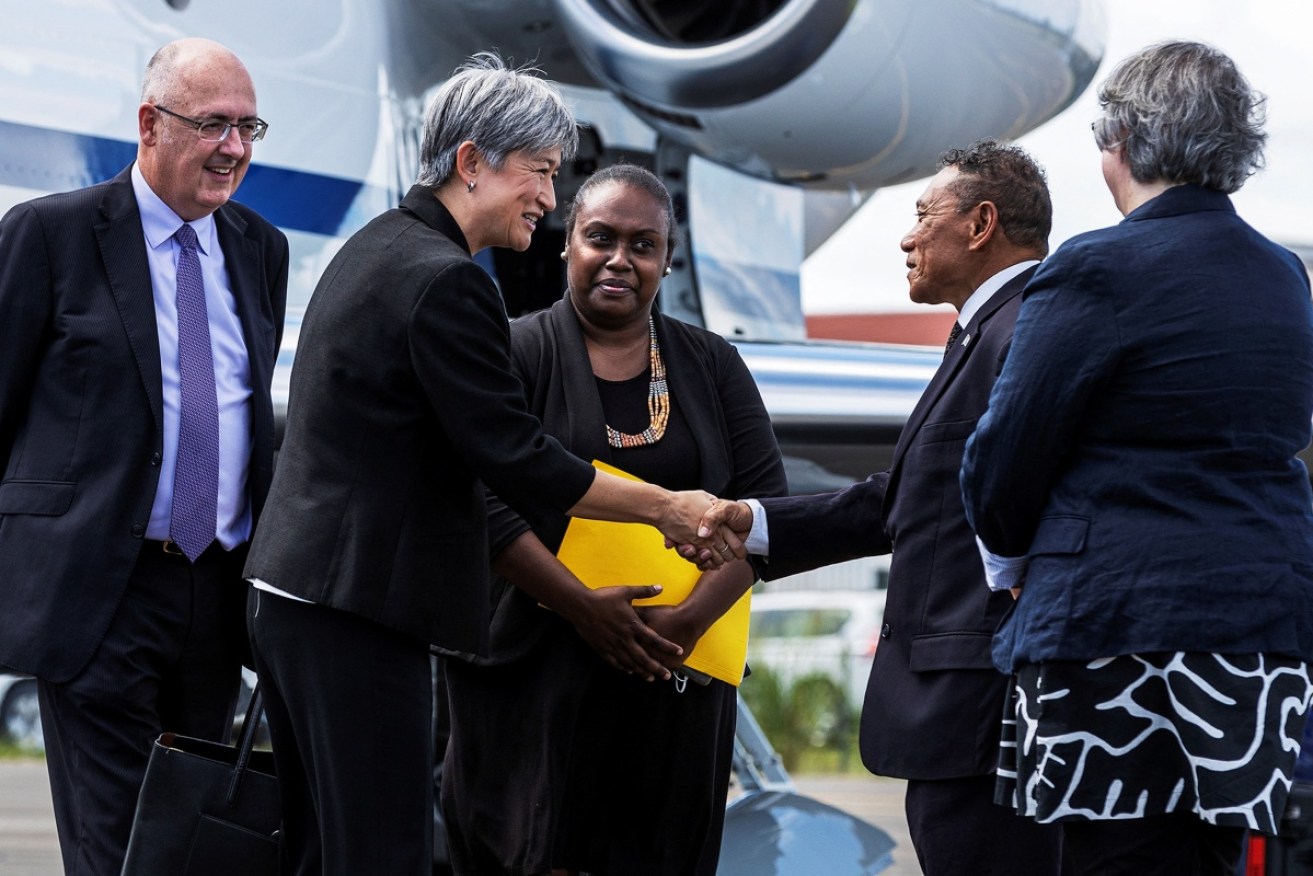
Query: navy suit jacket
x: 1140, y: 444
x: 933, y: 701
x: 81, y: 407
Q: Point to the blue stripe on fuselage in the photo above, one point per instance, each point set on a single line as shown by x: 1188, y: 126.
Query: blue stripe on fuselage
x: 57, y: 161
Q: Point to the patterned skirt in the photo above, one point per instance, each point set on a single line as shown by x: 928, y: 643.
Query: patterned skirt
x: 1148, y: 734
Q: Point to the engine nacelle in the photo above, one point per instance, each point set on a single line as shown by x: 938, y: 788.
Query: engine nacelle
x: 838, y: 94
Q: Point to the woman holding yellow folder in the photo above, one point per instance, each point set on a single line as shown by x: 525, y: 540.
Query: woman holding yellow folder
x: 559, y: 761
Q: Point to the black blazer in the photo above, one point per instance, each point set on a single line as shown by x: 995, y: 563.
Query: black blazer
x: 1140, y: 446
x: 933, y: 701
x: 81, y: 407
x: 402, y: 401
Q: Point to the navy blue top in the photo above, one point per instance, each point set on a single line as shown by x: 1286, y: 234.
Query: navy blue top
x: 1140, y: 444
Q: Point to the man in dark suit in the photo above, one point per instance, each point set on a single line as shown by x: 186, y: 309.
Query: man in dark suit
x: 934, y: 702
x: 139, y: 320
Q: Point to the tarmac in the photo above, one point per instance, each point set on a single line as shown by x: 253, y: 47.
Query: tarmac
x: 29, y: 847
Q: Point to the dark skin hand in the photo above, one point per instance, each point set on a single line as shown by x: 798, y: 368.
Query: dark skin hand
x: 676, y: 626
x: 713, y: 595
x: 604, y: 618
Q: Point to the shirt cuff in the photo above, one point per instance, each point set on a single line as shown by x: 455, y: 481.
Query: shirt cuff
x: 1002, y: 573
x: 758, y: 540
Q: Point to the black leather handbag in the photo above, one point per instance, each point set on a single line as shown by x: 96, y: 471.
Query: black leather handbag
x: 207, y: 809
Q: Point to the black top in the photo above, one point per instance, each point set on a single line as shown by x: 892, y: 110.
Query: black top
x: 672, y: 461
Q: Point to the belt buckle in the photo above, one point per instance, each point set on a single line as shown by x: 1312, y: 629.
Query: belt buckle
x: 170, y: 547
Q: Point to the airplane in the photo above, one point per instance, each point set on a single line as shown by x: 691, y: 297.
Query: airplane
x: 770, y: 120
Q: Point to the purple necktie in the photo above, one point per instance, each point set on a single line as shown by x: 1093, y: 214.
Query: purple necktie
x: 196, y: 474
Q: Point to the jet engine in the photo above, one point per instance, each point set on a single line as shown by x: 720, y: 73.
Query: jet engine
x: 837, y: 94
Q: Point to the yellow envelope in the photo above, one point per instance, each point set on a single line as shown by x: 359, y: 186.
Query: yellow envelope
x: 603, y: 554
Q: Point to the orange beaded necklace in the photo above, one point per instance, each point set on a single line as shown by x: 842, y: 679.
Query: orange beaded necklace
x: 658, y: 402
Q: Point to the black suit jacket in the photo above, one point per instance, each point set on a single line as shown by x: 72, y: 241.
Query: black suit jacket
x: 933, y: 701
x: 402, y: 400
x: 81, y: 407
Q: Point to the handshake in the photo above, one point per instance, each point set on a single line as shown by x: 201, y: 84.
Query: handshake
x: 705, y: 530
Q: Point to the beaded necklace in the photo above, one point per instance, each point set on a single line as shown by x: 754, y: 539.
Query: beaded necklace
x: 658, y: 402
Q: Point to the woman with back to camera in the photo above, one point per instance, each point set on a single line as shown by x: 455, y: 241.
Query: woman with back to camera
x: 1135, y: 479
x: 557, y: 762
x: 402, y: 405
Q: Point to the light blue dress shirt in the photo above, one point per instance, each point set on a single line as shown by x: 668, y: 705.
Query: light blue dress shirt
x: 232, y: 369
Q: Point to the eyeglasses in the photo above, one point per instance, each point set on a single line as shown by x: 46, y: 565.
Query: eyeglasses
x: 217, y: 130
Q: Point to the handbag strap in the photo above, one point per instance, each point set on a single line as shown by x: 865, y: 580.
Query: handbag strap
x: 250, y: 726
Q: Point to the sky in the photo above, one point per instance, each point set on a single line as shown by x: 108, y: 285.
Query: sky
x: 861, y: 269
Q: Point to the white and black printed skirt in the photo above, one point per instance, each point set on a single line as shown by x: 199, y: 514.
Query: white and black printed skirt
x: 1147, y: 734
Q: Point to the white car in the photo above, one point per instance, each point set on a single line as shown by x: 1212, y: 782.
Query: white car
x: 20, y: 716
x: 831, y: 632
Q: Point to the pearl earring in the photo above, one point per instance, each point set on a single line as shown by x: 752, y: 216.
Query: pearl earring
x: 666, y: 272
x: 565, y: 255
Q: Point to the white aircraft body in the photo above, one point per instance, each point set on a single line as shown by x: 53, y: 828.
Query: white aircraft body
x: 770, y: 120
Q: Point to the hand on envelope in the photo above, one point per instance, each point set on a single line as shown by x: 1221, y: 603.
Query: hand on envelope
x: 673, y: 625
x: 608, y: 622
x: 602, y: 554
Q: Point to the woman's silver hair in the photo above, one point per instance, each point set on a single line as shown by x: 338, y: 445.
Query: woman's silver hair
x: 502, y: 110
x: 1184, y: 114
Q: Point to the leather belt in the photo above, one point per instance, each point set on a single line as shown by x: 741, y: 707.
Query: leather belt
x: 167, y: 546
x: 170, y: 548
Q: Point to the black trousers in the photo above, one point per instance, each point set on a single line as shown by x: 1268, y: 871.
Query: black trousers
x: 170, y: 660
x: 1176, y: 844
x: 349, y: 705
x: 957, y: 828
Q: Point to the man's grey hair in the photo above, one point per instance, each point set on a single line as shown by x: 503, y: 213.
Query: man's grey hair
x: 160, y: 84
x: 502, y: 110
x: 1184, y: 114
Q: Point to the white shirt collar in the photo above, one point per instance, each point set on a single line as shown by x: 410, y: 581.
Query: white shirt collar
x: 987, y: 289
x: 159, y: 222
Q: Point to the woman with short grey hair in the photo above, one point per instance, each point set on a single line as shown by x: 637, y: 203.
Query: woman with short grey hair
x: 501, y: 109
x: 1182, y: 113
x: 403, y: 405
x: 1135, y: 483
